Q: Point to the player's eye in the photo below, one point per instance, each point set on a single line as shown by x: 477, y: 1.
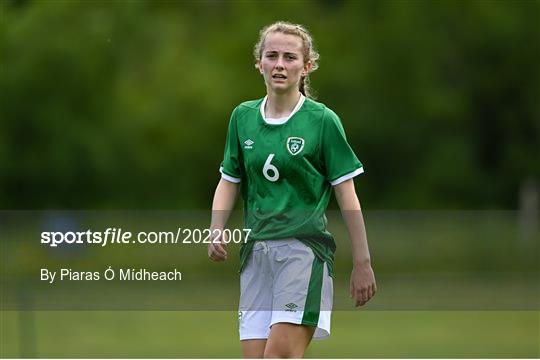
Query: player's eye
x: 291, y: 57
x: 270, y: 55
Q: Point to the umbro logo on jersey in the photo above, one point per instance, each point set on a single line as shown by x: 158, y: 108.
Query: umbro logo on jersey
x: 295, y: 145
x: 291, y: 307
x: 248, y: 144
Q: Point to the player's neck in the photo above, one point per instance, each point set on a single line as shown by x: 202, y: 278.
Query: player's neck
x: 281, y: 105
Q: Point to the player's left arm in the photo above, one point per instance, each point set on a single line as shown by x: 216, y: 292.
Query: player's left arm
x: 362, y: 285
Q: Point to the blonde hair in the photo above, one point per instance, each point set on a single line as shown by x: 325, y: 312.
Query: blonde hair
x: 309, y: 52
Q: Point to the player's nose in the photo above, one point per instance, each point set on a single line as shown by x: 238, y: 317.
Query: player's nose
x: 279, y: 63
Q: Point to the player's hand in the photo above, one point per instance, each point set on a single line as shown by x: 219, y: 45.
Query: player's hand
x: 363, y: 286
x: 217, y: 249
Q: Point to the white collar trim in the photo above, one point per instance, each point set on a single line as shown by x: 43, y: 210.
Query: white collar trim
x: 283, y: 120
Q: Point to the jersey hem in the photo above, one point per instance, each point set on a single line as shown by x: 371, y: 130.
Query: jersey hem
x: 229, y: 177
x: 348, y: 176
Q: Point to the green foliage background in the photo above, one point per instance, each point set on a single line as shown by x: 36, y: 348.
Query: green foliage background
x: 125, y: 104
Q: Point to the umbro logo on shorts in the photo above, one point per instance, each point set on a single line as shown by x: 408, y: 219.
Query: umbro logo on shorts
x: 291, y: 307
x: 249, y: 144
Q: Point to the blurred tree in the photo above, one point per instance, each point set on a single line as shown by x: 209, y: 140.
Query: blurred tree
x: 125, y: 104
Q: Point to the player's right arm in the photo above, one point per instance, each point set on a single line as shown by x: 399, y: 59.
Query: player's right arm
x: 224, y: 200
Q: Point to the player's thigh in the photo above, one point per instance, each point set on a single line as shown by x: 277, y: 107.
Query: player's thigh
x: 288, y: 340
x: 253, y: 349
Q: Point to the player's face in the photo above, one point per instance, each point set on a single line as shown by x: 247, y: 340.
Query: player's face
x: 282, y: 62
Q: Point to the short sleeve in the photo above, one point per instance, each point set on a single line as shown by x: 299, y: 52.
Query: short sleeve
x: 231, y: 167
x: 340, y: 162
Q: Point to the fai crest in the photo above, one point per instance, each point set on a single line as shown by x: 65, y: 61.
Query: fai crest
x: 295, y: 145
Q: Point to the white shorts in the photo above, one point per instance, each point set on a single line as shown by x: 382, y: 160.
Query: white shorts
x: 283, y: 281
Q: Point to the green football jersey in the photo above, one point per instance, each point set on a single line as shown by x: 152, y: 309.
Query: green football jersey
x: 286, y: 170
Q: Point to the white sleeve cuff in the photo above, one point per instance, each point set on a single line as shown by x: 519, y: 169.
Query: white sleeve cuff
x: 228, y: 177
x: 348, y: 176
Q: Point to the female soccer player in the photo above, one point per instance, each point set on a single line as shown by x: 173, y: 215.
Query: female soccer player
x: 286, y: 152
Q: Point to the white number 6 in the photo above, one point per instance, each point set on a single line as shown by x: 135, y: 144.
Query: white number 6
x: 269, y: 167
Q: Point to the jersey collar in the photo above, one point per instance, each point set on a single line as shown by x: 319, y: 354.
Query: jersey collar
x: 283, y: 120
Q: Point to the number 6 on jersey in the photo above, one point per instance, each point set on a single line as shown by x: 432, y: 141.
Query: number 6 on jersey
x: 270, y: 168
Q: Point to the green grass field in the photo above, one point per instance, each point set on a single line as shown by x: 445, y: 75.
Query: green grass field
x: 493, y: 334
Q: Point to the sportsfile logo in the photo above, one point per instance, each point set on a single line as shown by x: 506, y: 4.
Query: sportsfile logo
x: 248, y: 144
x: 291, y: 307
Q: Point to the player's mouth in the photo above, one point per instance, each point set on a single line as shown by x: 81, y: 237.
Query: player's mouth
x: 279, y: 77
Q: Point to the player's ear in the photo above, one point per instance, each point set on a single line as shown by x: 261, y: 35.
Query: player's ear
x: 307, y: 68
x: 258, y: 65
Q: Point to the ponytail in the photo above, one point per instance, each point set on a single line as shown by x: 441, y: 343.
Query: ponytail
x: 305, y: 88
x: 302, y: 86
